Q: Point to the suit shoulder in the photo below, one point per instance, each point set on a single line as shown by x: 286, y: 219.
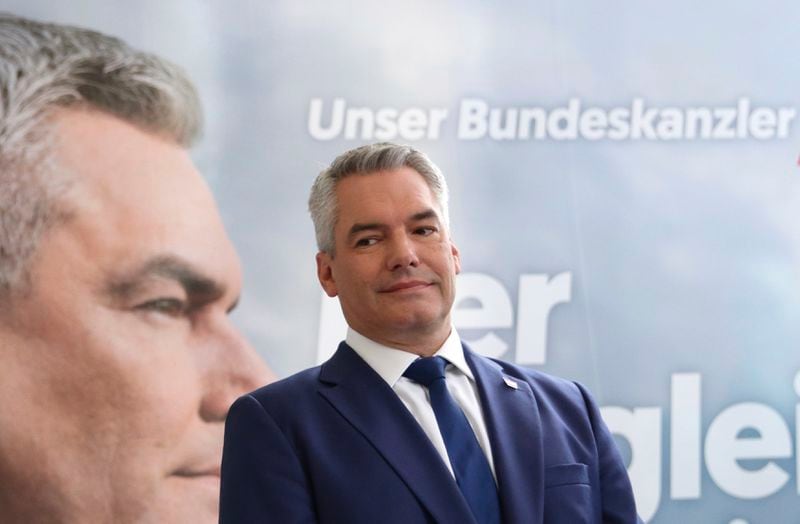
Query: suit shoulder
x: 288, y: 390
x: 534, y: 376
x: 546, y: 385
x: 558, y: 398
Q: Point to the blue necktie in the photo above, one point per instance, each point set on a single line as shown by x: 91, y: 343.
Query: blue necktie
x: 472, y: 471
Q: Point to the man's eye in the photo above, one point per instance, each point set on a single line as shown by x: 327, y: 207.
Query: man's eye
x: 425, y: 231
x: 166, y: 306
x: 368, y: 241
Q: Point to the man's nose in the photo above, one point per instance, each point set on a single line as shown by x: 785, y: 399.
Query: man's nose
x: 402, y: 253
x: 232, y: 369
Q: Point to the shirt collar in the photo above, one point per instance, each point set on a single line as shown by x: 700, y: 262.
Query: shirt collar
x: 390, y: 363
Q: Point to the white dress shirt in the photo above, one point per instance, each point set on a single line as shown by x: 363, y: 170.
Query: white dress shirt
x: 391, y: 363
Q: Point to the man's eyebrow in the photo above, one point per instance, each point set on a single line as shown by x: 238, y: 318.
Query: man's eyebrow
x: 370, y: 226
x: 193, y: 281
x: 358, y: 228
x: 425, y: 215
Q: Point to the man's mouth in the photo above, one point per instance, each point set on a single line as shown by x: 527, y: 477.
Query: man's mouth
x: 406, y: 285
x: 197, y: 473
x: 206, y: 480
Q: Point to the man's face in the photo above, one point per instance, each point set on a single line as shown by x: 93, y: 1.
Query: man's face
x: 395, y: 266
x: 119, y: 364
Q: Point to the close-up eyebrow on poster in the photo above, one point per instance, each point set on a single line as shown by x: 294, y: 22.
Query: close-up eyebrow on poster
x: 423, y: 263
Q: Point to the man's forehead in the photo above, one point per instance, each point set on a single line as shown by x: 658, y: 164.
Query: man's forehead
x: 409, y: 215
x: 403, y: 186
x: 120, y: 159
x: 139, y: 210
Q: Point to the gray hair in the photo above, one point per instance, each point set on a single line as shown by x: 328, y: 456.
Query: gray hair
x: 366, y: 160
x: 44, y: 67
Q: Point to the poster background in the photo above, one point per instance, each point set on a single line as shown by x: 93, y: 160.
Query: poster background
x: 683, y: 255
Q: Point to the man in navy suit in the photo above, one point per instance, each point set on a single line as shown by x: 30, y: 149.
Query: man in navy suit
x: 405, y: 423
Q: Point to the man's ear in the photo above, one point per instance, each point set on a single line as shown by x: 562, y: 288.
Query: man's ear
x: 325, y: 274
x: 456, y: 257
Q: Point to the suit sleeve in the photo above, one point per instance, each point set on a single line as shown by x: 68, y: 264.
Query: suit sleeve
x: 262, y: 478
x: 618, y: 505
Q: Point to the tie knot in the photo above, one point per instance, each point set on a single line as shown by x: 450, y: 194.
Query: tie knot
x: 425, y: 370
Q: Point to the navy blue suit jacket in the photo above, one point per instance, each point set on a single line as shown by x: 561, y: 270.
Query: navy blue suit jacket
x: 334, y: 444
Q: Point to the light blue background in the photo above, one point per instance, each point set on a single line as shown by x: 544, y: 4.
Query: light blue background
x: 684, y: 255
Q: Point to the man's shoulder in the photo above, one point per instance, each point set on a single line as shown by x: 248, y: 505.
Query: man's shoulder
x: 534, y: 377
x: 556, y: 398
x: 288, y: 403
x: 289, y: 388
x: 544, y: 385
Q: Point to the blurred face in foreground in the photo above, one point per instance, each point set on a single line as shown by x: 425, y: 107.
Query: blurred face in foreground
x: 119, y: 362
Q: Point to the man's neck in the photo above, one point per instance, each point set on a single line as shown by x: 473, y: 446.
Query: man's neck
x: 422, y: 344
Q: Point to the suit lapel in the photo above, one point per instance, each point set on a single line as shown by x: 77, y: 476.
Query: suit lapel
x: 363, y: 398
x: 512, y: 421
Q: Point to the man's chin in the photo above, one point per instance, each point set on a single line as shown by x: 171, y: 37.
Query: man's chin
x: 189, y: 499
x: 422, y: 318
